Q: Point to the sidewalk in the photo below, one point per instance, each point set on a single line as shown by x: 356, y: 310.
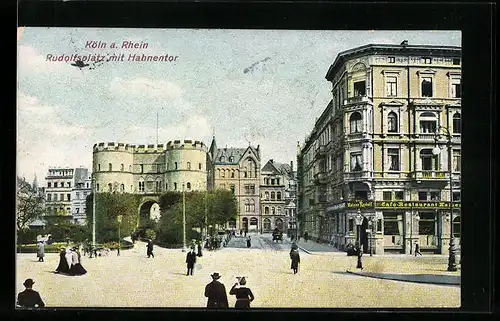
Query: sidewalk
x: 312, y: 247
x: 416, y: 278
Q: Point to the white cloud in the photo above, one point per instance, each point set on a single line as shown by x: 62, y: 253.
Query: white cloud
x: 30, y: 61
x: 143, y: 87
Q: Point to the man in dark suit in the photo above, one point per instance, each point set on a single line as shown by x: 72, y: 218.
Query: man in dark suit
x: 150, y: 248
x: 29, y: 298
x: 216, y: 293
x: 190, y: 260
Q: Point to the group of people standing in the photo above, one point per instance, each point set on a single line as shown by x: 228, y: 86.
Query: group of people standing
x: 215, y: 291
x: 70, y: 261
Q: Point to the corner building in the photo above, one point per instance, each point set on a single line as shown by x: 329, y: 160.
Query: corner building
x: 376, y: 167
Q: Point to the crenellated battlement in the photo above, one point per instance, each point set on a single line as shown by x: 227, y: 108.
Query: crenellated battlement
x: 150, y: 148
x: 186, y: 144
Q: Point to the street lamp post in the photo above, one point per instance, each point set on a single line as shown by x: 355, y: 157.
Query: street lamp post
x: 452, y: 265
x: 359, y: 221
x: 119, y: 219
x: 371, y: 235
x: 183, y: 219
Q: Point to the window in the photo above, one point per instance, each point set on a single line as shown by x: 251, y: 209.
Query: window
x: 175, y: 165
x: 379, y: 225
x: 232, y: 174
x: 456, y: 196
x: 129, y: 168
x: 426, y: 225
x: 55, y: 184
x: 355, y: 162
x: 98, y: 167
x: 351, y: 225
x: 457, y: 159
x: 253, y: 221
x: 273, y: 211
x: 359, y: 88
x: 428, y: 123
x: 355, y: 122
x: 266, y: 210
x: 435, y: 196
x: 426, y: 60
x: 456, y: 89
x: 456, y: 123
x: 49, y: 197
x: 429, y: 161
x: 392, y: 122
x: 141, y: 186
x: 61, y: 197
x: 231, y: 187
x: 122, y: 168
x: 188, y: 185
x: 110, y: 167
x: 188, y: 165
x: 77, y: 195
x: 456, y: 226
x: 273, y: 196
x: 122, y: 188
x: 278, y: 196
x: 361, y: 195
x: 399, y: 195
x: 456, y: 61
x: 272, y: 181
x: 267, y: 224
x: 393, y: 154
x: 391, y: 59
x: 141, y: 168
x: 69, y: 184
x: 387, y: 196
x: 110, y: 187
x: 422, y: 196
x: 266, y: 195
x: 166, y: 186
x: 175, y: 186
x: 391, y: 226
x: 426, y: 86
x: 199, y: 166
x: 77, y: 210
x: 231, y: 159
x: 97, y: 187
x: 222, y: 159
x: 49, y: 185
x: 391, y: 86
x: 222, y: 173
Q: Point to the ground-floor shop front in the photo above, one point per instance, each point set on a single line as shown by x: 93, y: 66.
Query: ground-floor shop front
x: 390, y: 227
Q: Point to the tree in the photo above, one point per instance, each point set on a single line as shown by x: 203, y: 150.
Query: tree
x: 30, y: 203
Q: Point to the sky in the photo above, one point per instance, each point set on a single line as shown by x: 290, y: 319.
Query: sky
x: 264, y: 87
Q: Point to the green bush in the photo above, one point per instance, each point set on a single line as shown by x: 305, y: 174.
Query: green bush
x: 150, y: 234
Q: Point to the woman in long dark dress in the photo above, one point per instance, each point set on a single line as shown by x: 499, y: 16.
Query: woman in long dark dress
x: 295, y: 257
x: 243, y: 294
x: 63, y: 264
x: 76, y: 267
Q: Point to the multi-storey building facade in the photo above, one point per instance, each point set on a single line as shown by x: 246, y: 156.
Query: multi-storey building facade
x: 275, y: 196
x: 238, y: 170
x: 66, y: 191
x: 382, y: 152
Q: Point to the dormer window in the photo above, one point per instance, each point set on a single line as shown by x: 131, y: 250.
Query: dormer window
x: 222, y: 158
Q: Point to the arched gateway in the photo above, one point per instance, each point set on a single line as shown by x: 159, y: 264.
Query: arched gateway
x: 149, y: 209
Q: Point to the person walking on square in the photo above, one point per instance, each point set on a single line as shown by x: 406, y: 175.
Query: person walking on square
x: 249, y: 242
x: 417, y: 249
x: 199, y: 249
x: 243, y: 294
x: 149, y: 248
x: 63, y: 266
x: 190, y: 260
x: 76, y: 266
x: 29, y: 298
x: 306, y: 236
x: 216, y: 293
x: 295, y: 257
x: 41, y: 250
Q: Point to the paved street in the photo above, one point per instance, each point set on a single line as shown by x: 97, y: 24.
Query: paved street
x: 133, y: 280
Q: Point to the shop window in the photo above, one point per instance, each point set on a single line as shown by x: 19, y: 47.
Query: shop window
x: 399, y: 195
x: 361, y: 195
x: 427, y: 223
x: 387, y: 196
x: 391, y: 224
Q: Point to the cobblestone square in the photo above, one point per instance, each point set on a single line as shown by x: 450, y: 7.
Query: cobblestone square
x: 133, y: 280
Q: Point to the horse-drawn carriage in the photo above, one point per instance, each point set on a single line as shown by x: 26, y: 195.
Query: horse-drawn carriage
x: 277, y: 235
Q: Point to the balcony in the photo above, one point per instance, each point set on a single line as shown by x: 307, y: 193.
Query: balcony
x: 357, y: 100
x: 357, y: 175
x: 320, y: 178
x: 321, y: 151
x: 430, y: 175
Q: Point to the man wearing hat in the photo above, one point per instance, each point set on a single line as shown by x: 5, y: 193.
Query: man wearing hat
x: 216, y: 293
x: 29, y: 298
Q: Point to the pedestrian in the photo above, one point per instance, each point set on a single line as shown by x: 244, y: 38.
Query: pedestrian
x: 417, y: 249
x: 29, y: 298
x: 41, y: 250
x: 63, y: 264
x: 295, y: 257
x: 241, y: 232
x: 243, y: 294
x: 360, y: 255
x: 216, y: 293
x: 246, y: 230
x: 190, y: 260
x: 149, y: 248
x: 249, y: 242
x: 199, y: 249
x: 306, y: 236
x: 76, y: 266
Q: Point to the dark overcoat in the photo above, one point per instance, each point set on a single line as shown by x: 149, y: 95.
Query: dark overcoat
x: 191, y: 259
x: 294, y: 255
x: 216, y: 294
x: 29, y: 298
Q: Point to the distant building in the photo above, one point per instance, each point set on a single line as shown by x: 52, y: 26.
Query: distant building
x: 65, y: 193
x: 237, y: 170
x: 277, y: 193
x: 379, y: 153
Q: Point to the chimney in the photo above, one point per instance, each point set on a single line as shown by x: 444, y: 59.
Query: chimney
x: 404, y: 43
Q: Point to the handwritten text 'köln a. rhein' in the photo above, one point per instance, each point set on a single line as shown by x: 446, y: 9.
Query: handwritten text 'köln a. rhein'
x: 99, y: 57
